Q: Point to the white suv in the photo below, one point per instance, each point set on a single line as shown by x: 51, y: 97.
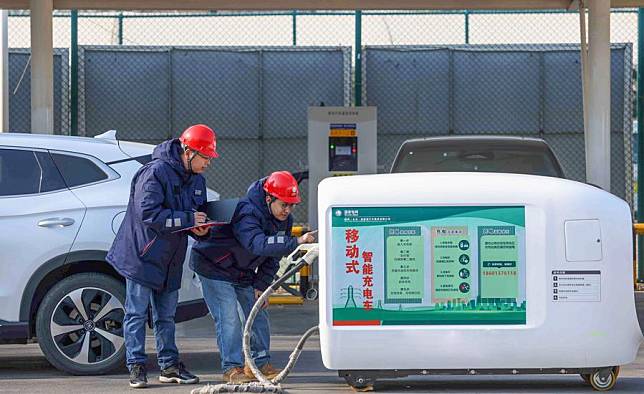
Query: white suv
x: 62, y: 200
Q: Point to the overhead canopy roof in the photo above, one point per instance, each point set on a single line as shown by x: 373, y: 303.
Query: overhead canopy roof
x: 311, y: 4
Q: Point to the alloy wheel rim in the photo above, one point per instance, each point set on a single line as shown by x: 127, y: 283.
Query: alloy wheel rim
x: 87, y: 326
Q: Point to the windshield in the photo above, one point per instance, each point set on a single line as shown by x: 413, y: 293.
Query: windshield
x: 480, y: 157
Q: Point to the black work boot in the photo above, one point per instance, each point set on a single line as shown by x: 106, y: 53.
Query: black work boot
x: 138, y: 376
x: 177, y: 374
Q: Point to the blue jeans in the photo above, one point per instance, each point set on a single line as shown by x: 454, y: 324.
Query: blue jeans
x: 222, y: 298
x: 164, y: 306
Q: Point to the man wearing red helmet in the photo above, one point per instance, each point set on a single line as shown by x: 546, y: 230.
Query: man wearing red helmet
x: 167, y: 194
x: 239, y: 261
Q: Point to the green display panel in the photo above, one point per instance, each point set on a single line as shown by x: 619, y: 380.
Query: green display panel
x: 427, y: 265
x: 499, y: 263
x: 451, y: 264
x: 404, y: 265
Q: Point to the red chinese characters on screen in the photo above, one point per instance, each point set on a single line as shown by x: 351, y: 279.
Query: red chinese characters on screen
x: 352, y: 252
x: 352, y: 265
x: 367, y: 280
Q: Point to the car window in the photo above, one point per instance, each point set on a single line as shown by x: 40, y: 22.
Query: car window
x: 78, y: 170
x: 19, y: 172
x: 477, y: 158
x: 27, y: 172
x: 51, y: 178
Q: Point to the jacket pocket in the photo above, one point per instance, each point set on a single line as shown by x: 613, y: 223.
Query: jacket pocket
x: 148, y: 246
x: 157, y: 251
x: 224, y: 261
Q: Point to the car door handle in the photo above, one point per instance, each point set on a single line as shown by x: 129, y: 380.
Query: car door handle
x: 56, y: 222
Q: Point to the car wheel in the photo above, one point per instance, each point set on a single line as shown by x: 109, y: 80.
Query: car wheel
x: 79, y: 324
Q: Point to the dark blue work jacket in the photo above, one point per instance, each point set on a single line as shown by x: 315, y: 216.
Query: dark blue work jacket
x: 248, y: 250
x: 163, y: 197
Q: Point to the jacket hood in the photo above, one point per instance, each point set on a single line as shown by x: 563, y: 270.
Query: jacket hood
x: 170, y: 152
x: 257, y: 196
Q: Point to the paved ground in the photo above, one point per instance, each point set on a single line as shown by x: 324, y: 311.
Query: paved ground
x: 23, y: 368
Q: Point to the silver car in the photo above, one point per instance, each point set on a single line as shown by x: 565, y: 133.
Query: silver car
x: 62, y: 200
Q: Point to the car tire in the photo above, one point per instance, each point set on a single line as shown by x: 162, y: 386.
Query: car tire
x: 88, y: 341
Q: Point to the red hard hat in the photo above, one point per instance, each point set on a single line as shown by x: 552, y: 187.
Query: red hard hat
x: 201, y: 138
x: 282, y: 185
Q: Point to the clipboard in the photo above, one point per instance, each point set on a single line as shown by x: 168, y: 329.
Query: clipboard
x: 203, y: 225
x: 221, y: 210
x: 219, y: 213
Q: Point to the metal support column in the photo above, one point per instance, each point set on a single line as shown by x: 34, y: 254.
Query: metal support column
x: 598, y: 94
x: 74, y: 73
x: 640, y: 139
x: 42, y: 67
x: 120, y: 19
x: 4, y: 70
x: 358, y: 60
x: 294, y: 17
x: 467, y: 27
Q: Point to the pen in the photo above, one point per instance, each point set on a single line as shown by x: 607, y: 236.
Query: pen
x: 207, y: 218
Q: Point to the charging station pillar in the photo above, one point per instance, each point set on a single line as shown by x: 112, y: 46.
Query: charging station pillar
x: 341, y: 141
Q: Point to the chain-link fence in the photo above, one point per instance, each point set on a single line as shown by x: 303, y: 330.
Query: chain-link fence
x: 254, y: 97
x: 252, y: 75
x: 524, y: 90
x: 20, y: 90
